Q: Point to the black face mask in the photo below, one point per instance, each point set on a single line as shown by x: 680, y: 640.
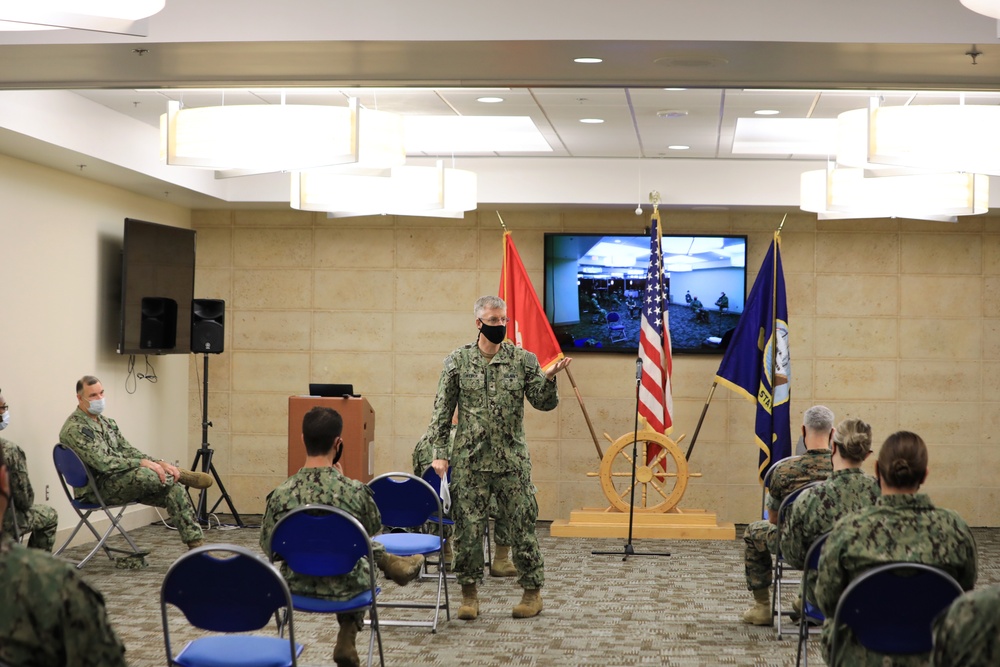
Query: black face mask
x: 495, y: 333
x: 340, y: 450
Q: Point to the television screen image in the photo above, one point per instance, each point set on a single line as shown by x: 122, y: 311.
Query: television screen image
x: 594, y: 283
x: 157, y: 288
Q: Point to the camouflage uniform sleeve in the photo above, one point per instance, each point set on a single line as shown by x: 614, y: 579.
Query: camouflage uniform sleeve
x: 966, y: 543
x: 968, y: 633
x: 541, y: 392
x: 267, y: 524
x: 444, y: 407
x: 96, y: 449
x: 22, y: 496
x: 794, y: 529
x: 90, y: 641
x: 832, y: 579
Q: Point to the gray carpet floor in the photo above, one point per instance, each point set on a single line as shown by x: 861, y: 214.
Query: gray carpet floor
x: 681, y: 610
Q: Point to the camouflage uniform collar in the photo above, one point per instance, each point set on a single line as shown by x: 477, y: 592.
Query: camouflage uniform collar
x: 906, y: 500
x: 817, y: 452
x: 100, y: 418
x: 847, y: 471
x: 6, y: 543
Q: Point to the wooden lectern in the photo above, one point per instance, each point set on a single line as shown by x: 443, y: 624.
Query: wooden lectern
x: 358, y: 459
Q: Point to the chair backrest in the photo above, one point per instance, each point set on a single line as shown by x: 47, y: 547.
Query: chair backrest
x: 320, y: 541
x: 786, y: 506
x: 890, y: 607
x: 613, y: 317
x: 809, y: 570
x: 224, y: 588
x: 70, y: 468
x: 765, y: 487
x: 404, y: 500
x: 431, y: 477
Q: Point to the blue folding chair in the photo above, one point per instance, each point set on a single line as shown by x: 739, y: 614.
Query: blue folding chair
x: 406, y: 502
x: 890, y: 608
x: 779, y: 577
x: 73, y: 474
x: 228, y: 589
x: 324, y: 541
x: 812, y: 618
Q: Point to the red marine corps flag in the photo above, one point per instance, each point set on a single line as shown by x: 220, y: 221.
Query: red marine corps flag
x: 655, y: 401
x: 527, y: 325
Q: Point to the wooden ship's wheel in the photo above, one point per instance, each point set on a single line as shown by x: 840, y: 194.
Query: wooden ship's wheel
x: 661, y: 472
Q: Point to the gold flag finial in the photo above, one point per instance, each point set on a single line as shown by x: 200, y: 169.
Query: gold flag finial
x: 501, y: 221
x: 783, y: 218
x: 654, y: 199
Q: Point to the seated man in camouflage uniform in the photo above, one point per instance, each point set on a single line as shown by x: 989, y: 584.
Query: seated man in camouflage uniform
x: 124, y: 474
x: 49, y: 614
x: 502, y: 565
x: 968, y: 634
x: 39, y: 520
x: 321, y: 482
x: 848, y: 490
x: 788, y: 475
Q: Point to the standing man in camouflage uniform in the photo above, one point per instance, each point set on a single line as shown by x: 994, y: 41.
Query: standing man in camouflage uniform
x: 40, y: 520
x: 502, y: 566
x: 488, y: 381
x: 968, y: 634
x: 124, y: 474
x: 49, y: 614
x: 848, y: 490
x: 788, y: 475
x: 321, y: 482
x: 902, y: 527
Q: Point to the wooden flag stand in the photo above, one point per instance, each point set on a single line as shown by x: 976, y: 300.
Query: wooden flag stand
x: 660, y: 485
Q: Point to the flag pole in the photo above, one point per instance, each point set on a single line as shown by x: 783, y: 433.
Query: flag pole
x: 569, y: 374
x: 697, y: 429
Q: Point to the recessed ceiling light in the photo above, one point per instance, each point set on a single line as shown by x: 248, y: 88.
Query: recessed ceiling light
x: 592, y: 121
x: 767, y: 112
x: 490, y: 100
x: 671, y: 113
x: 679, y: 147
x: 675, y: 89
x: 588, y: 61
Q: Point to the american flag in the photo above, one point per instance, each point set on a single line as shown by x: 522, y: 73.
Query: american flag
x: 655, y: 400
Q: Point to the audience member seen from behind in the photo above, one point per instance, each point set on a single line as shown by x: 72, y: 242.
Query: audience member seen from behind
x: 488, y: 381
x: 902, y: 526
x: 49, y: 616
x: 847, y: 490
x: 320, y: 482
x: 968, y: 633
x: 124, y: 474
x: 502, y: 565
x: 759, y: 539
x: 39, y: 520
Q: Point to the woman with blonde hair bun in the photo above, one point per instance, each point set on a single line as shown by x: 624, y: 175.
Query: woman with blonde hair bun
x: 847, y: 490
x: 902, y: 527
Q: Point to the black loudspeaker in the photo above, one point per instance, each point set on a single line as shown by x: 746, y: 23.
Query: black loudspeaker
x: 158, y: 324
x: 208, y: 318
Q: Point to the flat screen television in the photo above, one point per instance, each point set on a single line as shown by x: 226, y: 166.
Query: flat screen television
x: 157, y: 288
x: 593, y: 284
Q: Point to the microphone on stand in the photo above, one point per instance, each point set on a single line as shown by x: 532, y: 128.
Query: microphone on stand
x: 638, y: 368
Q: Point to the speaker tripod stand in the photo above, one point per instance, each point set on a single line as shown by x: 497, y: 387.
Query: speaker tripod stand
x: 204, y: 457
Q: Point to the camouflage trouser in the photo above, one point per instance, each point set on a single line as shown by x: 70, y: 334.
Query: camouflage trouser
x: 517, y: 512
x: 142, y: 485
x: 760, y: 542
x: 42, y: 521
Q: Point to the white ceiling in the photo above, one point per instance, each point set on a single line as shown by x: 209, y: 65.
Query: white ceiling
x: 730, y: 62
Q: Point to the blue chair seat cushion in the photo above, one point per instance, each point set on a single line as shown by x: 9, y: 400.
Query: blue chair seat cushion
x: 408, y: 544
x: 362, y: 600
x: 233, y: 650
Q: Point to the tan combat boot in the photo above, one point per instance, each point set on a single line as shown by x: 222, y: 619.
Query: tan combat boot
x: 194, y: 544
x: 502, y: 566
x: 470, y: 603
x: 448, y: 552
x: 760, y: 612
x: 530, y: 604
x: 345, y: 652
x: 401, y: 569
x: 195, y: 480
